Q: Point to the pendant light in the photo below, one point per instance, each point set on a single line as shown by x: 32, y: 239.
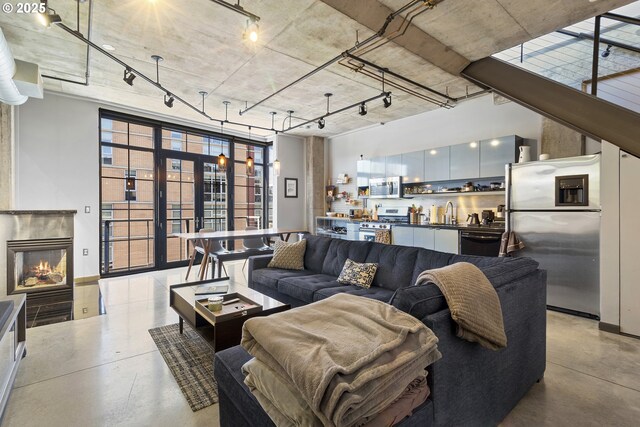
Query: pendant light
x: 222, y: 159
x: 250, y: 164
x: 276, y: 167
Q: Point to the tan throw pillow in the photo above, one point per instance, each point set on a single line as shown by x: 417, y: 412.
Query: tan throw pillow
x: 289, y: 256
x: 356, y: 273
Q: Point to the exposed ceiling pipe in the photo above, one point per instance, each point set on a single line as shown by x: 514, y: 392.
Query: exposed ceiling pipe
x: 337, y: 58
x: 602, y: 40
x: 9, y: 93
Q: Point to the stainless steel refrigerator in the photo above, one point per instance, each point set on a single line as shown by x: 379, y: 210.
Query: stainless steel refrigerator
x: 554, y: 208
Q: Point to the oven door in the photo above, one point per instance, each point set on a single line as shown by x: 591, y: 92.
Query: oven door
x: 367, y: 235
x: 480, y: 243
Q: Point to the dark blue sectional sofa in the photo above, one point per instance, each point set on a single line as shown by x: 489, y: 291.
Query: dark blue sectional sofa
x: 470, y: 385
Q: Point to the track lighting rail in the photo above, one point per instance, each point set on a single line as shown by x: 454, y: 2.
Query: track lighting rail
x: 328, y: 114
x: 152, y: 82
x: 238, y: 9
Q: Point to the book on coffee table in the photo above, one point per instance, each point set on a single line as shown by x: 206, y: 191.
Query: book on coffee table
x: 212, y: 289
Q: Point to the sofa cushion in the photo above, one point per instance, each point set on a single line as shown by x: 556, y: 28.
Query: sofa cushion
x: 340, y: 250
x: 427, y: 260
x: 395, y: 265
x: 269, y: 277
x: 358, y: 273
x: 317, y: 247
x: 287, y: 255
x: 303, y: 288
x: 419, y: 301
x: 499, y: 270
x: 376, y: 293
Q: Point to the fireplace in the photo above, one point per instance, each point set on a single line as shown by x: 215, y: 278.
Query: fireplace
x: 38, y: 265
x: 36, y: 257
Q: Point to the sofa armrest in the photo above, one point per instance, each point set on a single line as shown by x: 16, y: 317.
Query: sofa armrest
x: 472, y: 385
x: 256, y: 263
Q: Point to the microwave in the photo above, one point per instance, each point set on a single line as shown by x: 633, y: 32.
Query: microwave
x: 385, y: 188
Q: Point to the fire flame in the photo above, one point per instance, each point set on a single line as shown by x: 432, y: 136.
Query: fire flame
x: 44, y: 267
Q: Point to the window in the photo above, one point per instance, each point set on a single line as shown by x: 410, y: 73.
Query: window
x: 107, y: 155
x: 176, y: 145
x: 107, y: 215
x: 130, y: 185
x: 106, y: 134
x: 176, y: 214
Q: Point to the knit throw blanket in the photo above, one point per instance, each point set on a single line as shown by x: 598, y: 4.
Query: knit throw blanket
x: 473, y: 303
x: 348, y: 357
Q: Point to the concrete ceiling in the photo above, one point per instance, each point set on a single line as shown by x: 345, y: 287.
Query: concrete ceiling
x: 203, y: 49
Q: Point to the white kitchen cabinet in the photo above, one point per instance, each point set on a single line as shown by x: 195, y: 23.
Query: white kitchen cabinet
x: 363, y: 169
x: 465, y: 161
x: 629, y: 237
x: 402, y: 236
x: 377, y: 168
x: 413, y: 167
x: 393, y: 165
x: 436, y: 164
x: 446, y: 241
x: 496, y: 153
x: 424, y: 237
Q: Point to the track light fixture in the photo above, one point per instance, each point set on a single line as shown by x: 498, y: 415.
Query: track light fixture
x: 48, y: 16
x: 321, y: 123
x: 363, y: 109
x: 387, y: 101
x: 606, y: 52
x: 128, y: 76
x: 168, y: 100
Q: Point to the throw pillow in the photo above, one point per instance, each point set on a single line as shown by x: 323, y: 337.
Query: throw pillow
x: 288, y: 256
x: 356, y: 273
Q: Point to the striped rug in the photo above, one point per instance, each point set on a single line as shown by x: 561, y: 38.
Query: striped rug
x: 190, y: 359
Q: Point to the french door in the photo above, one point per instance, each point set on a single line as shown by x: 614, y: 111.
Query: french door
x: 192, y: 196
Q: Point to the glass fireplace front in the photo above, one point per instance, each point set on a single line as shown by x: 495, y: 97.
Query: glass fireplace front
x: 36, y: 265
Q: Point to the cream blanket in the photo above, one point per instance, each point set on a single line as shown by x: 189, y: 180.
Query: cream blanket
x: 348, y: 357
x: 473, y: 303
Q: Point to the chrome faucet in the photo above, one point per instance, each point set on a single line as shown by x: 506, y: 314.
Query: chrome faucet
x: 448, y: 219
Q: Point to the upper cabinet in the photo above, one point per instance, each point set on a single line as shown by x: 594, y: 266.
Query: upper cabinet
x: 363, y: 169
x: 465, y: 161
x: 393, y: 165
x: 377, y: 168
x: 412, y: 167
x: 436, y: 164
x: 496, y: 153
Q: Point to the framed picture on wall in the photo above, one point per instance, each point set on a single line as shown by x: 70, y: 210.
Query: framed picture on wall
x: 291, y: 187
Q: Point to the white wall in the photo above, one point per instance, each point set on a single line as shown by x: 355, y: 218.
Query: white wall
x: 57, y: 167
x: 468, y: 121
x: 290, y: 212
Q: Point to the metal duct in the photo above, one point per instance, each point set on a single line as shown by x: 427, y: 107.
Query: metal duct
x: 9, y: 93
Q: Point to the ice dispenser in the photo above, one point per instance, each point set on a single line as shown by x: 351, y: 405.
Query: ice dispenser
x: 572, y: 190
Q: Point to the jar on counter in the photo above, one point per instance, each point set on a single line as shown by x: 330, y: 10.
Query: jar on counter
x: 215, y: 303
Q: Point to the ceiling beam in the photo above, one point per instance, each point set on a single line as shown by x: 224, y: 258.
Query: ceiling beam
x: 372, y: 14
x: 585, y: 113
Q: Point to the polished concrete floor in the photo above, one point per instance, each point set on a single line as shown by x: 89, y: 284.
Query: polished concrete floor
x: 106, y: 370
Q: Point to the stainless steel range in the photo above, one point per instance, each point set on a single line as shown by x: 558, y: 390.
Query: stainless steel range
x: 386, y: 218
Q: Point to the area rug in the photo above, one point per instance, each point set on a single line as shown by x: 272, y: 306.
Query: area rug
x: 190, y: 359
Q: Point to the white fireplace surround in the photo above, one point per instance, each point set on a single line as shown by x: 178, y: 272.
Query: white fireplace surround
x: 33, y: 224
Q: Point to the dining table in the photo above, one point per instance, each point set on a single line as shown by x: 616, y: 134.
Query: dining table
x: 207, y: 239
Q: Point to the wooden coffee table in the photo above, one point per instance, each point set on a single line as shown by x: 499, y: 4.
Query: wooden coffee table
x: 225, y: 332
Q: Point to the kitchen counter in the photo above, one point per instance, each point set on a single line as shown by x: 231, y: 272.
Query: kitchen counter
x: 341, y: 218
x: 493, y: 227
